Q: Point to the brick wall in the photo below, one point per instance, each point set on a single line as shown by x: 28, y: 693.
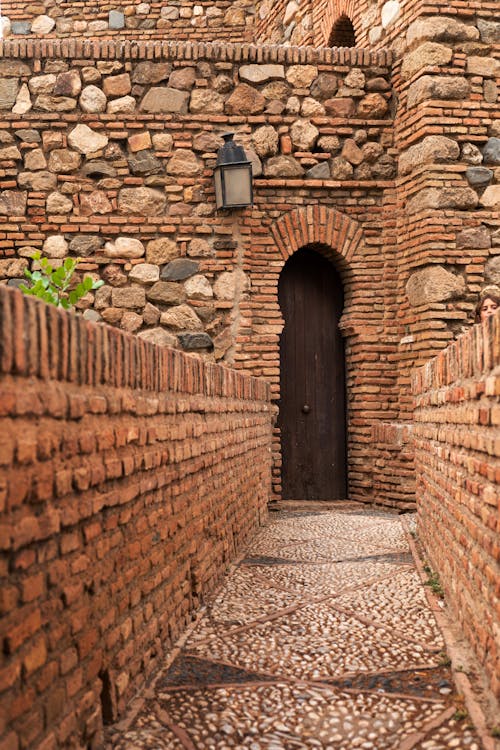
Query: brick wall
x: 130, y: 476
x: 457, y: 447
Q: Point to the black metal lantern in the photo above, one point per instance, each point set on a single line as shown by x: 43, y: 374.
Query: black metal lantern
x: 232, y: 176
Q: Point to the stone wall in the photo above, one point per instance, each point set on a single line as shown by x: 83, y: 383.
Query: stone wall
x: 178, y: 20
x: 130, y: 477
x: 457, y: 446
x: 122, y: 176
x: 447, y: 188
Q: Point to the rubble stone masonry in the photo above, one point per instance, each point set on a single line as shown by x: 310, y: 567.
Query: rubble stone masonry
x: 457, y: 447
x: 130, y: 476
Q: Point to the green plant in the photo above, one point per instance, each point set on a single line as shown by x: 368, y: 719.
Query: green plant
x: 495, y: 731
x: 52, y: 285
x: 460, y: 714
x: 433, y: 582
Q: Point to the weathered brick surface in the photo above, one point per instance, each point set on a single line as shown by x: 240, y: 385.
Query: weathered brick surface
x: 457, y: 448
x: 130, y: 475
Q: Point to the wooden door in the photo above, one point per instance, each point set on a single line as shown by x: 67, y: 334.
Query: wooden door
x: 312, y: 396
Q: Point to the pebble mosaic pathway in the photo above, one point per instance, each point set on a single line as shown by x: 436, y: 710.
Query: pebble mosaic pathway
x: 321, y: 637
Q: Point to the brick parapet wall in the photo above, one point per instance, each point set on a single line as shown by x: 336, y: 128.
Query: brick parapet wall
x: 131, y: 475
x: 457, y: 448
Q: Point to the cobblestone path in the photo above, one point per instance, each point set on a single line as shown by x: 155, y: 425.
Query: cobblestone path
x: 321, y: 637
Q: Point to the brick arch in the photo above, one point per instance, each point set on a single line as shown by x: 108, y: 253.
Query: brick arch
x: 333, y: 11
x: 317, y: 224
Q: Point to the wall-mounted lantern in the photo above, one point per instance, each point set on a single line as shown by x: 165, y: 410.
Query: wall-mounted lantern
x: 232, y: 176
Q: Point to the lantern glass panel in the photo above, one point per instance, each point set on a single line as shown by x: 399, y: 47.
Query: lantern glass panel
x: 236, y: 185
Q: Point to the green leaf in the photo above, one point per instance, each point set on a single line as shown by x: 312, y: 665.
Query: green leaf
x: 69, y: 264
x: 98, y: 284
x: 88, y: 283
x: 64, y: 303
x: 73, y: 297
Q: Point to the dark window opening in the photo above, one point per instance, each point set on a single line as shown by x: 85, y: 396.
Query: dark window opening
x: 342, y: 33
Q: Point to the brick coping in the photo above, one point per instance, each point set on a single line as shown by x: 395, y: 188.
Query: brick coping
x: 85, y: 48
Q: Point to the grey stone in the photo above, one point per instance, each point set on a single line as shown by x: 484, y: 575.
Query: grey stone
x: 198, y: 287
x: 479, y: 176
x: 144, y: 162
x: 428, y: 53
x: 433, y: 284
x: 471, y: 154
x: 68, y: 84
x: 149, y: 72
x: 256, y: 74
x: 438, y: 87
x: 98, y: 168
x: 491, y: 197
x: 384, y: 168
x: 14, y: 69
x: 319, y: 172
x: 113, y: 275
x: 440, y: 29
x: 55, y: 246
x: 132, y: 296
x: 490, y: 90
x: 181, y: 318
x: 47, y: 103
x: 41, y: 181
x: 304, y: 135
x: 492, y: 270
x: 301, y: 76
x: 158, y: 336
x: 93, y: 99
x: 166, y: 293
x: 179, y: 269
x: 194, y: 341
x: 162, y: 251
x: 143, y: 201
x: 245, y: 100
x: 325, y: 86
x: 462, y: 198
x: 283, y: 166
x: 373, y: 106
x: 491, y: 151
x: 124, y: 247
x: 85, y: 140
x: 474, y: 237
x: 86, y: 244
x: 265, y: 141
x: 182, y: 79
x: 92, y: 315
x: 205, y: 100
x: 42, y: 25
x: 340, y: 169
x: 116, y: 19
x: 59, y: 204
x: 20, y: 27
x: 125, y: 104
x: 487, y: 67
x: 165, y: 99
x: 145, y: 273
x: 63, y: 161
x: 433, y: 148
x: 9, y: 88
x: 184, y: 162
x: 28, y: 135
x: 489, y: 31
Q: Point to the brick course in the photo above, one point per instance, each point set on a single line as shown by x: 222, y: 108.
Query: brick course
x: 457, y: 451
x: 130, y: 477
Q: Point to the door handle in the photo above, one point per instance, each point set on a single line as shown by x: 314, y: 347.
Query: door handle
x: 306, y: 408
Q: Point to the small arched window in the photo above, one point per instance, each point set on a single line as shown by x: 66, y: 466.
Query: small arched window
x: 342, y: 33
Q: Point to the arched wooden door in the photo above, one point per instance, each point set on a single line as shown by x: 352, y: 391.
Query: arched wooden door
x: 312, y: 377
